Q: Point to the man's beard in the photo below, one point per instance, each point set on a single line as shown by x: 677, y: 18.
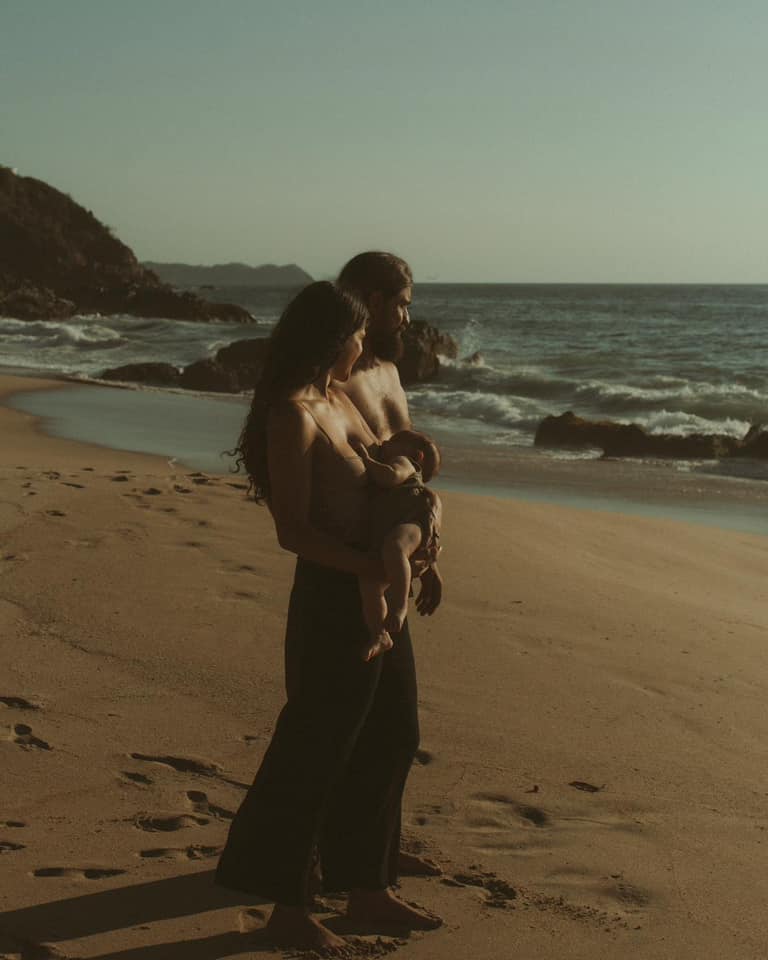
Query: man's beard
x: 386, y: 344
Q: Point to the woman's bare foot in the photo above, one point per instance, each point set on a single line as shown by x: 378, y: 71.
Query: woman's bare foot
x: 378, y: 644
x: 374, y: 909
x: 294, y: 927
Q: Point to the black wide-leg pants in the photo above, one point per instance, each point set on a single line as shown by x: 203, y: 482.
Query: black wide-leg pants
x: 333, y: 775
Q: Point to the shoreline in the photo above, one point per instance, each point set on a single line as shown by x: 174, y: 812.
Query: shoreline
x: 188, y: 429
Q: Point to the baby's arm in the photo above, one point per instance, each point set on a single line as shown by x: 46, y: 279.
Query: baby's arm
x: 387, y: 474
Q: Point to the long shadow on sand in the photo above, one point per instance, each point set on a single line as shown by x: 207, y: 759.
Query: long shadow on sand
x: 124, y: 907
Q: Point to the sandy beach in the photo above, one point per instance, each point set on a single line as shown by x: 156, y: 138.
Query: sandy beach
x: 592, y: 692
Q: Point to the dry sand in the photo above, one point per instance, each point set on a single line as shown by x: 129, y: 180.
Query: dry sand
x: 593, y: 699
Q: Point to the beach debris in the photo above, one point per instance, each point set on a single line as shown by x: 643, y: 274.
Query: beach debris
x: 586, y: 787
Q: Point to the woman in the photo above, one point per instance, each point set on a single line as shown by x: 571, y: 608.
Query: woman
x: 333, y: 776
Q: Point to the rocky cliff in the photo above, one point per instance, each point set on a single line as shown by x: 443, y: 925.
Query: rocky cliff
x: 56, y: 259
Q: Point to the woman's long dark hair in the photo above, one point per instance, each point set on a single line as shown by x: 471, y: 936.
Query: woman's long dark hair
x: 305, y: 343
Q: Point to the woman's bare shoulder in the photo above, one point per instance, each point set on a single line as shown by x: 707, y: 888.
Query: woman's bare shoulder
x: 290, y: 418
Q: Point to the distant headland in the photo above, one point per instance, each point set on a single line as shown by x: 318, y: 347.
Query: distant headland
x: 229, y: 275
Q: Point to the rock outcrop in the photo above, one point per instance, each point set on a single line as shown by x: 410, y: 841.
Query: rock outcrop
x: 156, y: 374
x: 237, y: 366
x: 631, y: 440
x: 424, y: 345
x: 58, y: 259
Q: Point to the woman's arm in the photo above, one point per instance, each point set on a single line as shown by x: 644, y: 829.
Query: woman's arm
x: 291, y: 433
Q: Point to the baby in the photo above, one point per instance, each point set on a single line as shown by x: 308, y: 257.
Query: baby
x: 405, y: 518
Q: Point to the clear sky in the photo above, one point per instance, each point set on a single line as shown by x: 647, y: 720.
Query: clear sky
x: 545, y: 140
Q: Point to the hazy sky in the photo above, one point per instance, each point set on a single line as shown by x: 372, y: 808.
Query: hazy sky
x: 543, y: 140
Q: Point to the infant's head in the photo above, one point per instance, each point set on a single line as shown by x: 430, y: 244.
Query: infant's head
x: 417, y: 447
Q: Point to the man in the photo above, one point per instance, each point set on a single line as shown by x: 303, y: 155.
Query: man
x: 384, y: 282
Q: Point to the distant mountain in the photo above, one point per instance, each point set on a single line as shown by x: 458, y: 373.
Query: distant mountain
x: 56, y: 259
x: 230, y: 275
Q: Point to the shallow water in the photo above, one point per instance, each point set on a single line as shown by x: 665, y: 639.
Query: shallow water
x: 195, y: 430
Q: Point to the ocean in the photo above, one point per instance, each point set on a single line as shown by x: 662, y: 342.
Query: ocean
x: 672, y: 358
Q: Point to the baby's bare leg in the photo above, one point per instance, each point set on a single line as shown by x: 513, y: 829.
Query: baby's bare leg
x: 402, y: 541
x: 374, y: 612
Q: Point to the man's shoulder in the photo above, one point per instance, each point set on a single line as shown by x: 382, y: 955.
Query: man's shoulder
x: 380, y: 371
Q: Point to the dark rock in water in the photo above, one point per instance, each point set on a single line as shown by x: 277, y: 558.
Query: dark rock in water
x: 57, y: 259
x: 209, y: 375
x: 424, y: 345
x: 630, y: 440
x: 27, y: 302
x: 158, y: 374
x: 755, y: 443
x: 244, y: 358
x: 475, y: 359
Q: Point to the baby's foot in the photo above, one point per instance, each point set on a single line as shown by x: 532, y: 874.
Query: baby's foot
x: 395, y: 618
x: 378, y: 644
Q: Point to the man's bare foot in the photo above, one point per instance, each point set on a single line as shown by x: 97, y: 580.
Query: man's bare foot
x: 412, y: 865
x: 294, y: 927
x: 377, y: 909
x: 378, y: 644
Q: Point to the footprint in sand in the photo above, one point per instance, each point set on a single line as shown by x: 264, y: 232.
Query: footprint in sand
x: 86, y: 873
x: 137, y: 777
x: 606, y: 893
x: 7, y: 847
x: 181, y: 764
x: 22, y: 735
x: 498, y: 893
x: 498, y: 823
x: 202, y: 805
x: 13, y: 824
x: 193, y: 852
x: 55, y: 513
x: 120, y: 478
x: 179, y: 489
x: 78, y: 486
x: 168, y: 824
x: 19, y: 703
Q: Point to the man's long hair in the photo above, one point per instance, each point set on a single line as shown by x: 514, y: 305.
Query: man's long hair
x: 373, y: 272
x: 306, y: 343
